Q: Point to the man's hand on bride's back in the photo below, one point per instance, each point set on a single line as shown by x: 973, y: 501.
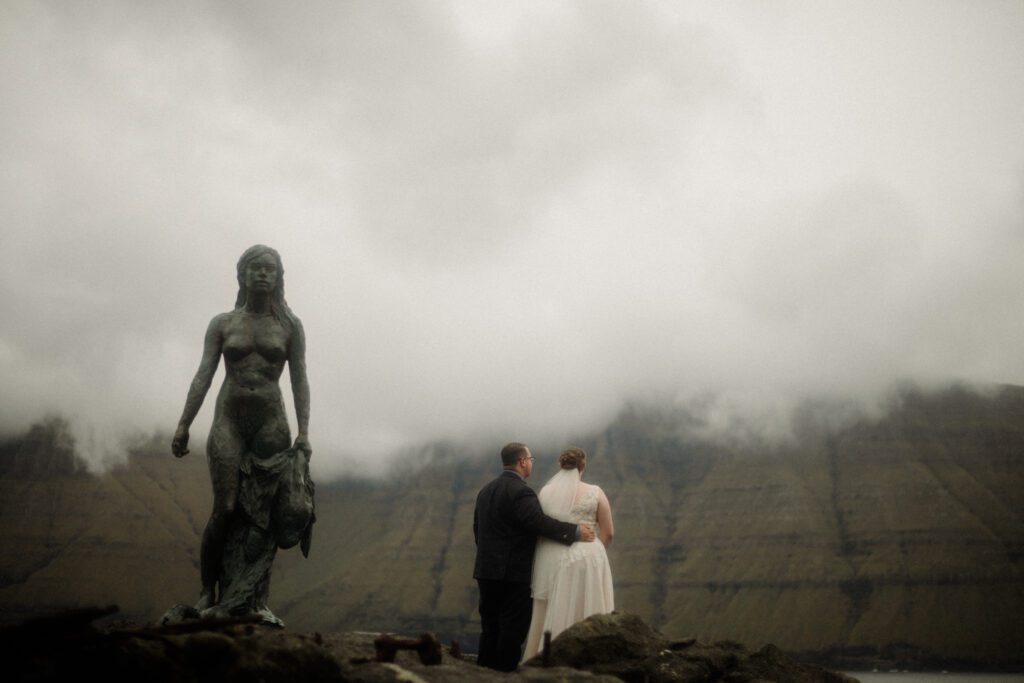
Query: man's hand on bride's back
x: 586, y: 533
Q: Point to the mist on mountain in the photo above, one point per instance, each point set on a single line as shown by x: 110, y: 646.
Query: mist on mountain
x: 897, y: 532
x: 506, y: 221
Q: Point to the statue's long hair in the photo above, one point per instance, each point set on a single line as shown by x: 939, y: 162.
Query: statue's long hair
x: 278, y: 306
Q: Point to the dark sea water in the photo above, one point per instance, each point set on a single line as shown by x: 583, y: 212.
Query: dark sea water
x: 910, y: 677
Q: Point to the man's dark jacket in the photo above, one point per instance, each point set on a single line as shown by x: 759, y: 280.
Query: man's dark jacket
x: 506, y: 523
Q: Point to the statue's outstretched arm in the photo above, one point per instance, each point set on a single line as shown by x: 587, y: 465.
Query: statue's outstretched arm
x: 212, y: 347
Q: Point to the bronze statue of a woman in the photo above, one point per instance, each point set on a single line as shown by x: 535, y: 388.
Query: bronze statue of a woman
x: 262, y: 494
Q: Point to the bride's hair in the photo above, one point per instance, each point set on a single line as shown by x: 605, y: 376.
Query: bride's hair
x: 572, y: 459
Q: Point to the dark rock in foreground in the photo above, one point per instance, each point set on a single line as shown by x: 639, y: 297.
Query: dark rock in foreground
x: 605, y: 648
x: 623, y: 646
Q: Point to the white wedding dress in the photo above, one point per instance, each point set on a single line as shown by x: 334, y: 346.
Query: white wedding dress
x: 569, y: 582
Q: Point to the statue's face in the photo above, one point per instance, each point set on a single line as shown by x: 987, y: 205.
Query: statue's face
x: 261, y: 274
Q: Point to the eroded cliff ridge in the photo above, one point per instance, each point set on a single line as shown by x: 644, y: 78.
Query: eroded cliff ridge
x: 903, y: 530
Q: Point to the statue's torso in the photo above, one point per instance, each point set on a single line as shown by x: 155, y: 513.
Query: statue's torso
x: 255, y: 349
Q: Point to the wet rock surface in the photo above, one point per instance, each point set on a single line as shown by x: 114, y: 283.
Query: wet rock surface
x: 604, y: 649
x: 624, y: 646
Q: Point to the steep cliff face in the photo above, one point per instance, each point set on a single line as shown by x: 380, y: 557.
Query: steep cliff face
x: 905, y: 529
x: 908, y: 529
x: 71, y: 538
x: 396, y: 555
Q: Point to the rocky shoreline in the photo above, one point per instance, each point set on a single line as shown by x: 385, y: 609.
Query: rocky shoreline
x: 614, y: 647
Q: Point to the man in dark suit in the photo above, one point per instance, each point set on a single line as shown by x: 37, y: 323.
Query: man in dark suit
x: 507, y: 520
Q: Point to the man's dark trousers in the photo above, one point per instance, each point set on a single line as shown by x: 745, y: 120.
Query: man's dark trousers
x: 505, y: 611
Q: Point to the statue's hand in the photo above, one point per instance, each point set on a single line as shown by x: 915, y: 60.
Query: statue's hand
x: 179, y: 445
x: 302, y: 443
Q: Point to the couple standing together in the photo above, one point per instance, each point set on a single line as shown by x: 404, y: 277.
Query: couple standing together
x: 538, y: 565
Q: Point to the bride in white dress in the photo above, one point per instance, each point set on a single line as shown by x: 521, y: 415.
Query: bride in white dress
x: 570, y: 582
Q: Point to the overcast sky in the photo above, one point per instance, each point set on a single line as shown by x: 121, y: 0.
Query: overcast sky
x: 502, y: 220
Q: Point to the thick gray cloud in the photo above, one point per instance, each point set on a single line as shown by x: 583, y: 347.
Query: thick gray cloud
x: 504, y: 220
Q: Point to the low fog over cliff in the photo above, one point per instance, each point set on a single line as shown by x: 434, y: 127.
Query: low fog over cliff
x: 897, y: 538
x: 506, y: 222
